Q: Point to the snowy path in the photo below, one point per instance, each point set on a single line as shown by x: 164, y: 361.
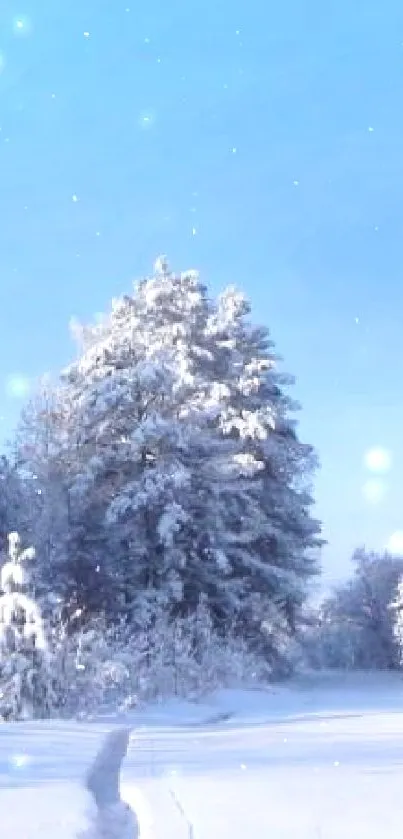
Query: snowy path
x: 331, y: 774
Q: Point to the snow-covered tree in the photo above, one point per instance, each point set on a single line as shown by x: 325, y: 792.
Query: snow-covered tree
x: 396, y: 608
x: 39, y: 457
x: 357, y: 623
x: 277, y: 559
x: 136, y: 442
x: 50, y: 465
x: 25, y: 675
x: 179, y: 469
x: 14, y: 501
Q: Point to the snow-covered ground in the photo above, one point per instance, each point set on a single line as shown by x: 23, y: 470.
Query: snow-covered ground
x: 321, y: 758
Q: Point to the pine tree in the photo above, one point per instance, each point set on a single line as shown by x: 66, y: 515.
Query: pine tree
x: 180, y: 467
x: 277, y: 562
x: 139, y: 445
x: 25, y: 678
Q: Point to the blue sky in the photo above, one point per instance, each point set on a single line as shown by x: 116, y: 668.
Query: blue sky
x: 261, y: 143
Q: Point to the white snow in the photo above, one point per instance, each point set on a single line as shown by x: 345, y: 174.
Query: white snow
x: 320, y: 757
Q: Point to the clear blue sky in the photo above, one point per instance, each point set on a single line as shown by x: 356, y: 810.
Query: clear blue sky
x: 259, y: 142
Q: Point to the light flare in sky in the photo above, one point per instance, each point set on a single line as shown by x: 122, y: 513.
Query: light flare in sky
x: 395, y: 543
x: 17, y: 386
x: 378, y: 460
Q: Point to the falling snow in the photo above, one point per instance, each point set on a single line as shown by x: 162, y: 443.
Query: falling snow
x: 22, y: 26
x: 147, y: 119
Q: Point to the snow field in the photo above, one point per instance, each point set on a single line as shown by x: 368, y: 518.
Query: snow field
x: 314, y: 760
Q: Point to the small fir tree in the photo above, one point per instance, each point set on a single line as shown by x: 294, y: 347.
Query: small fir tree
x: 25, y: 681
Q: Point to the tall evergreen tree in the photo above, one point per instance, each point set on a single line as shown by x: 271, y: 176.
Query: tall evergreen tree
x: 148, y: 455
x: 177, y: 460
x: 277, y: 563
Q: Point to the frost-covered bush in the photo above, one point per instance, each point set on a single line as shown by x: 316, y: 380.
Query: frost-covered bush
x: 101, y: 668
x: 92, y: 669
x: 188, y: 657
x: 72, y: 670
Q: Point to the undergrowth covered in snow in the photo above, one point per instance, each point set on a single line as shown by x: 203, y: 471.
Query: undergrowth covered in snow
x: 117, y: 668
